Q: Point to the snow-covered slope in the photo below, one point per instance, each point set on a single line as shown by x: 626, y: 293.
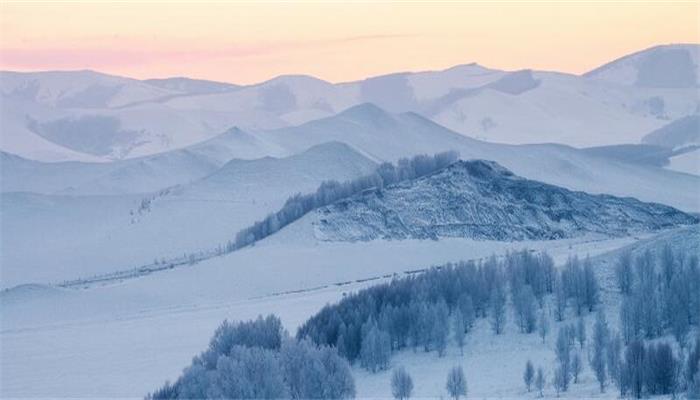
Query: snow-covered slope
x: 82, y: 236
x: 687, y: 161
x: 482, y: 200
x: 643, y: 154
x: 539, y: 107
x: 676, y: 134
x: 668, y: 66
x: 137, y: 175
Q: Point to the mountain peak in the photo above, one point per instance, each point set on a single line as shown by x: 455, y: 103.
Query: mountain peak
x: 663, y: 66
x: 367, y: 113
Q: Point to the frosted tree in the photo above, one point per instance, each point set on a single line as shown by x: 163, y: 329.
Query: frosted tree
x: 581, y: 332
x: 600, y: 340
x: 525, y: 305
x: 563, y: 353
x: 630, y: 320
x: 440, y: 328
x: 590, y: 285
x: 376, y: 349
x: 529, y: 375
x: 466, y: 307
x: 623, y: 273
x: 576, y: 366
x: 456, y: 383
x: 459, y: 330
x: 661, y: 369
x: 692, y: 368
x: 560, y: 299
x: 540, y: 382
x: 248, y: 372
x: 613, y: 350
x: 401, y: 384
x: 543, y: 325
x: 498, y: 308
x: 312, y: 372
x: 678, y: 302
x: 634, y: 368
x: 560, y: 380
x: 667, y: 262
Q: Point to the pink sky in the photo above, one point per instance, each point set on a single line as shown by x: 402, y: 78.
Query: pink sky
x: 247, y: 42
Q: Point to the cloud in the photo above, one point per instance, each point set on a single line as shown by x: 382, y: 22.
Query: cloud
x: 123, y: 54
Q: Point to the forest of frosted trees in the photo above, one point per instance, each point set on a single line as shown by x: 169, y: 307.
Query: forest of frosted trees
x: 257, y: 360
x: 424, y: 310
x: 654, y: 352
x: 331, y: 191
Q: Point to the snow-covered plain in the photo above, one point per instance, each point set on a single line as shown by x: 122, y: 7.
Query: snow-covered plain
x: 125, y: 338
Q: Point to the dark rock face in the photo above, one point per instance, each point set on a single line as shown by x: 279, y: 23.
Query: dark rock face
x: 482, y: 200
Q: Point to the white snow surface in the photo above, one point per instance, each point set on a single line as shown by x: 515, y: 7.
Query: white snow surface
x: 126, y: 338
x: 81, y: 236
x: 688, y: 162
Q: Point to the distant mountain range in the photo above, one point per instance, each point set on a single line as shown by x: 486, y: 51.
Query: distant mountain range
x: 375, y: 134
x: 89, y: 116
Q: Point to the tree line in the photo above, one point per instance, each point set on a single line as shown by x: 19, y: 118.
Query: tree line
x: 331, y: 191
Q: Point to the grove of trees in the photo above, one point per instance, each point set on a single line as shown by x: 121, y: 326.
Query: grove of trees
x: 424, y: 310
x: 257, y: 360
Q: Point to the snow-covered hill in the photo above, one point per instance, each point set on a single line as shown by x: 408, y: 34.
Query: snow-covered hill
x: 482, y: 200
x: 384, y: 136
x: 86, y: 235
x: 676, y: 134
x: 135, y: 175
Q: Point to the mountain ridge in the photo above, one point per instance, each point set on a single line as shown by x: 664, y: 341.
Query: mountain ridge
x: 482, y: 200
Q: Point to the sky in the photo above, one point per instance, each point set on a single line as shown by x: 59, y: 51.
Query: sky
x: 249, y: 42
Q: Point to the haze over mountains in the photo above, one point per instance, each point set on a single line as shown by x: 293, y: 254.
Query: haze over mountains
x: 88, y: 116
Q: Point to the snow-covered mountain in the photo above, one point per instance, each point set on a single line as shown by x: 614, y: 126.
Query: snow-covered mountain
x: 135, y: 175
x: 88, y: 116
x: 482, y: 200
x: 676, y: 134
x: 667, y: 66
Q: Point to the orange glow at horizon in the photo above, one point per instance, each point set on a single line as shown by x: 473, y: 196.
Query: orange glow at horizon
x: 247, y: 42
